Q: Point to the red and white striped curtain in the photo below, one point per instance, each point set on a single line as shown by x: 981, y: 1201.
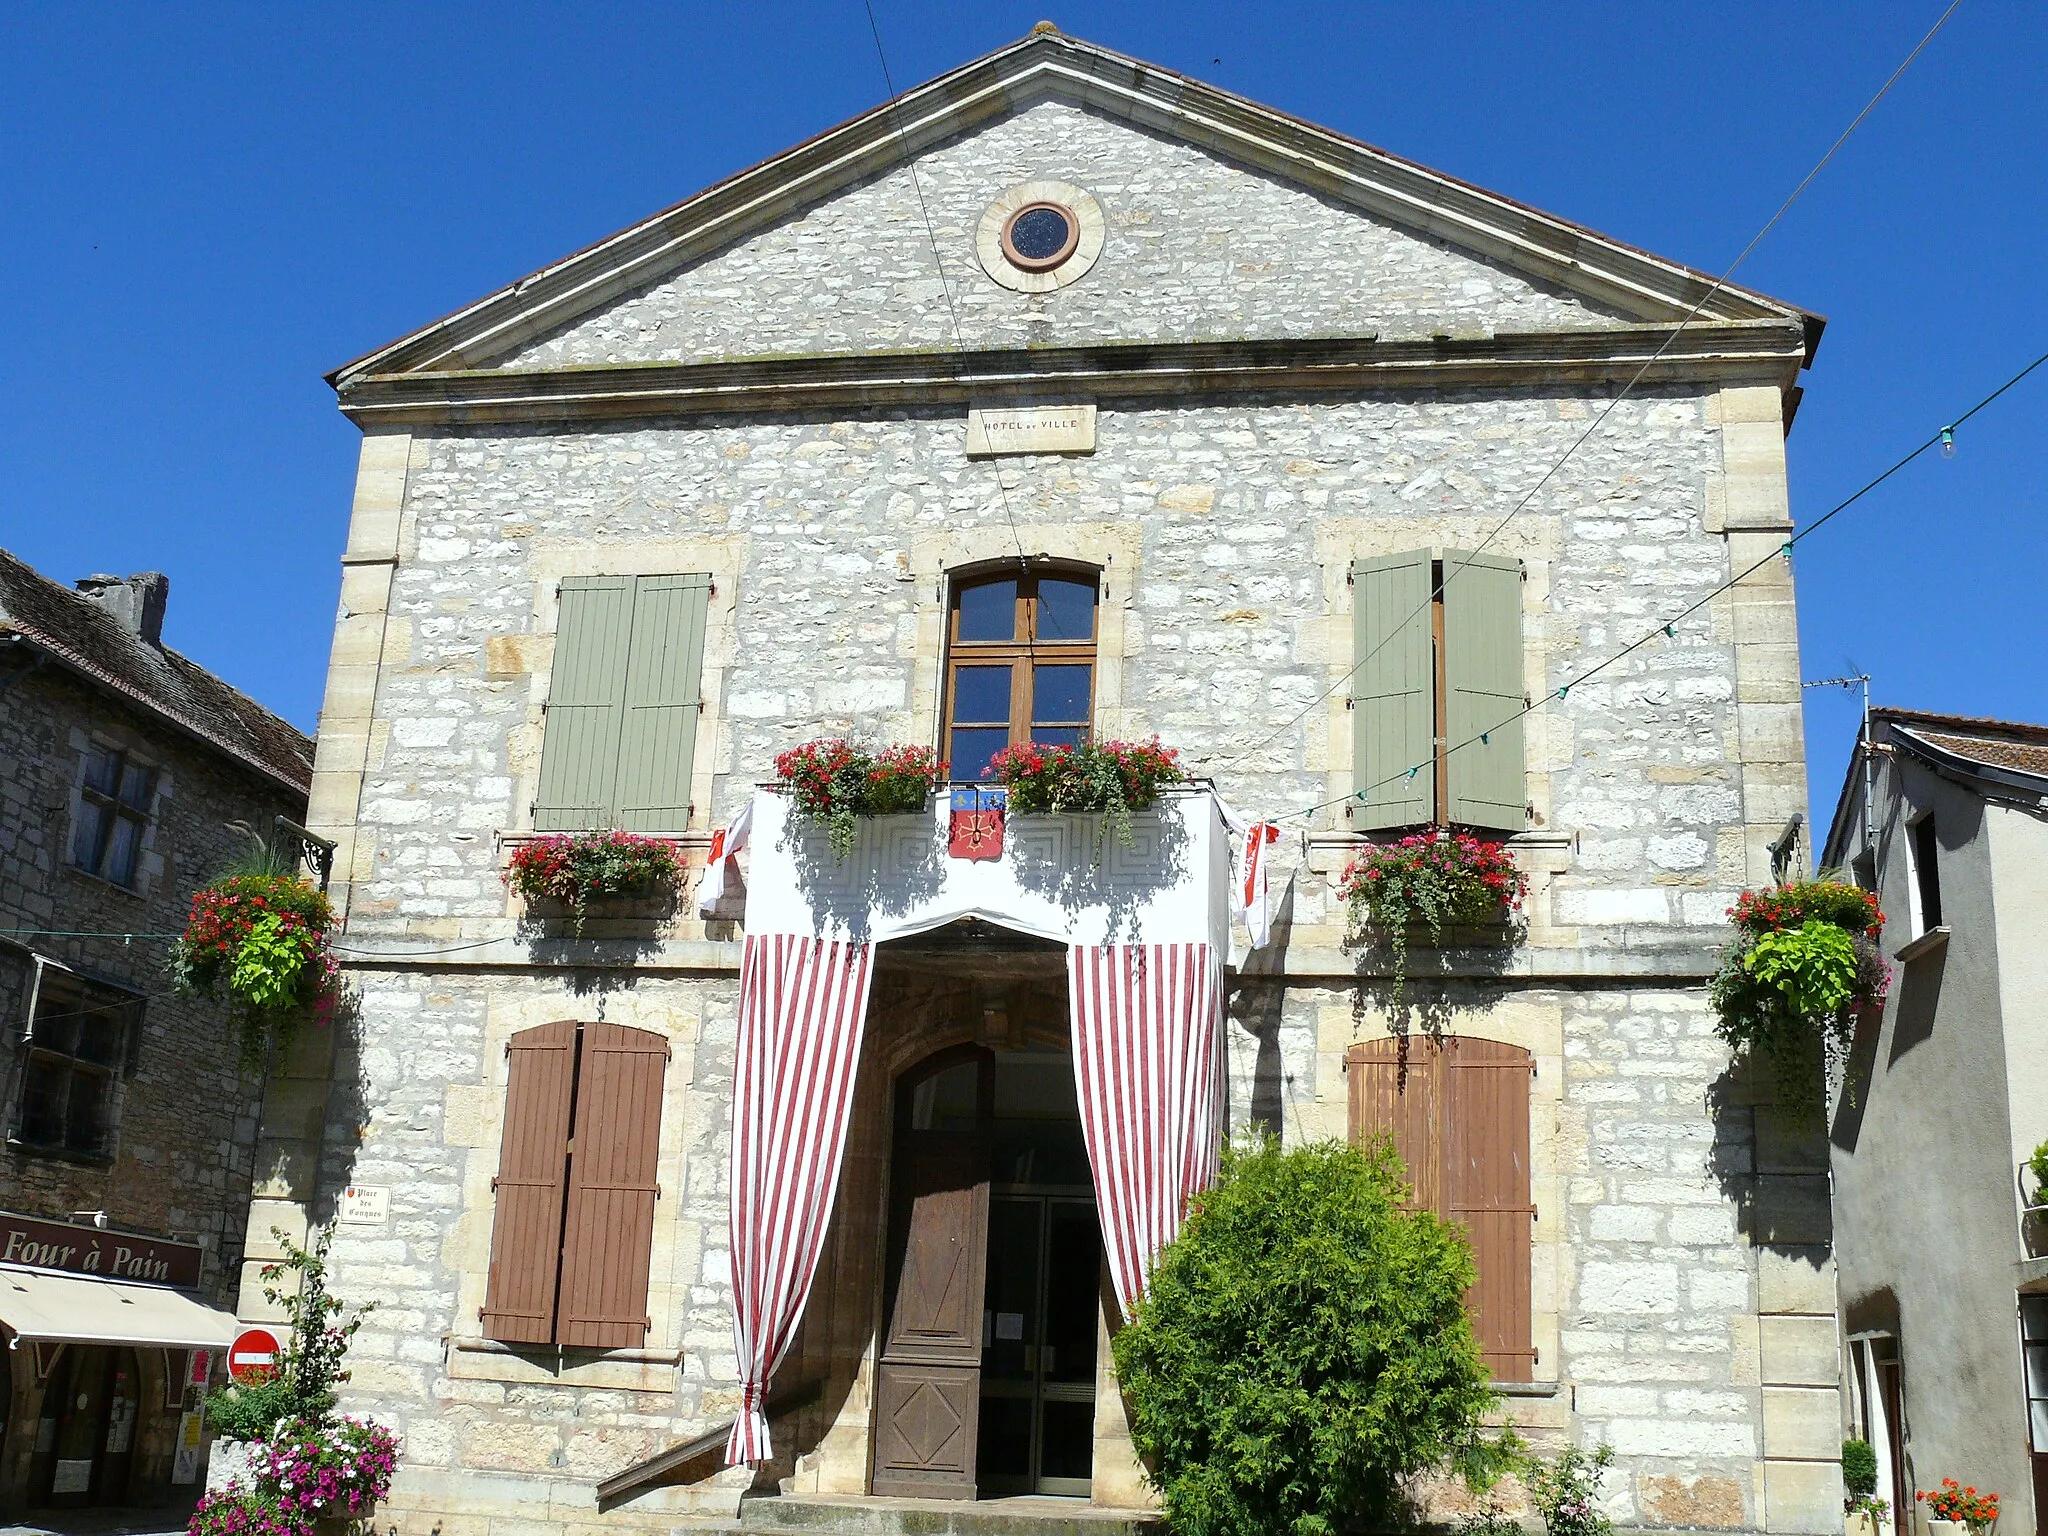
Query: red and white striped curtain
x: 803, y: 1004
x: 1148, y: 1064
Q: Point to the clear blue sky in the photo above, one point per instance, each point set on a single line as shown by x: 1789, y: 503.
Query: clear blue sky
x: 204, y: 208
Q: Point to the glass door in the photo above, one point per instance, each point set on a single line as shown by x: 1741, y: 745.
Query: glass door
x: 1038, y: 1343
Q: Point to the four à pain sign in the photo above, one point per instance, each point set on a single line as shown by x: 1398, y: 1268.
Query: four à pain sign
x: 57, y: 1245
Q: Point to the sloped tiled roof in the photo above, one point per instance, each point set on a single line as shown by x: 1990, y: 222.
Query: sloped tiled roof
x: 1995, y: 743
x: 79, y: 633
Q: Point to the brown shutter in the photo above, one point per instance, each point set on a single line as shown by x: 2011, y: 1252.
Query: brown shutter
x: 1487, y: 1188
x: 1458, y: 1112
x: 1395, y: 1091
x: 608, y: 1236
x: 526, y: 1230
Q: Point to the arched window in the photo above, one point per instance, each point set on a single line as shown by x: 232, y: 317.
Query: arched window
x: 1020, y: 664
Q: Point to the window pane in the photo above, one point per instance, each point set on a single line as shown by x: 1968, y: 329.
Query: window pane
x: 989, y: 611
x: 99, y: 1031
x: 85, y: 1114
x: 1059, y: 696
x: 973, y: 747
x: 1058, y: 735
x: 1066, y: 610
x: 2034, y: 1317
x: 121, y: 852
x: 42, y: 1102
x: 102, y: 769
x: 981, y: 695
x: 135, y: 786
x: 58, y: 999
x: 85, y: 843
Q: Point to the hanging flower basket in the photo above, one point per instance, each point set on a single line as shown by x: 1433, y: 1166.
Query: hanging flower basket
x: 834, y: 782
x: 1113, y: 779
x: 1803, y: 968
x: 1431, y: 881
x: 577, y: 868
x: 259, y: 943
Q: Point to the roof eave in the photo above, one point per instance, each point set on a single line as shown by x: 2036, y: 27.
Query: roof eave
x: 83, y: 667
x: 1402, y: 191
x: 1955, y: 763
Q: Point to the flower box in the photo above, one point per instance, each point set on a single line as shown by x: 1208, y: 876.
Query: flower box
x: 585, y: 875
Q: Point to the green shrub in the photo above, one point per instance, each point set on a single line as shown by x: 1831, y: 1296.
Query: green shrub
x: 2038, y: 1166
x: 1303, y: 1347
x: 1859, y: 1468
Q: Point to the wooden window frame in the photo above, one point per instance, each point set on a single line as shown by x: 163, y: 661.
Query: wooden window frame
x: 94, y: 996
x: 112, y: 810
x: 1023, y: 654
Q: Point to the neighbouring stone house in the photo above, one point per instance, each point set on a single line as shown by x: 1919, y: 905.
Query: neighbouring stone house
x: 1943, y: 1229
x: 128, y: 775
x: 1065, y: 394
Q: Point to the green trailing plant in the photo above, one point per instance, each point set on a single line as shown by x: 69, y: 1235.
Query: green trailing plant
x: 835, y: 783
x: 1113, y: 779
x: 1566, y: 1490
x: 1803, y: 967
x: 258, y: 940
x: 578, y: 868
x: 1302, y: 1348
x: 1429, y: 881
x: 2037, y: 1165
x: 315, y: 1346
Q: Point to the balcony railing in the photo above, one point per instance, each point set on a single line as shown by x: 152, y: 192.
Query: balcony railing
x: 1058, y: 877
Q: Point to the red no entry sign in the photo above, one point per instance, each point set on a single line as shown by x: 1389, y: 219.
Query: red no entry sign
x: 253, y: 1356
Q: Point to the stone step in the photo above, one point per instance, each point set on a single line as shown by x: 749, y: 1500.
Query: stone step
x: 855, y: 1515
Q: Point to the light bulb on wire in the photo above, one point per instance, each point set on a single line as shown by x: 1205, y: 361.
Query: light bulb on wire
x: 1948, y: 442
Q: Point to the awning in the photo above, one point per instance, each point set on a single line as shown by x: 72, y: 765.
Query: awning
x: 79, y: 1309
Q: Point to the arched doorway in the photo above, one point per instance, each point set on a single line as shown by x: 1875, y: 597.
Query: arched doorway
x: 986, y: 1379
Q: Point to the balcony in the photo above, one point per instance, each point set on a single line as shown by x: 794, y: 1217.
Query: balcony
x: 1058, y: 877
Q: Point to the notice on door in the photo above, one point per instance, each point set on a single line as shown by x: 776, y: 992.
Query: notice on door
x: 72, y: 1477
x: 185, y: 1465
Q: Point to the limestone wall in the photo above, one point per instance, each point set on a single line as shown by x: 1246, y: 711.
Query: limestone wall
x: 1671, y: 1250
x: 1197, y: 249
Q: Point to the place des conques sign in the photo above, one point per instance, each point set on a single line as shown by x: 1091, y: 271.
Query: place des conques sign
x: 66, y: 1249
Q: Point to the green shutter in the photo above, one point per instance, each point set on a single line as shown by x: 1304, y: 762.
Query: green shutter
x: 1483, y: 667
x: 579, y: 759
x: 1392, y: 692
x: 664, y: 682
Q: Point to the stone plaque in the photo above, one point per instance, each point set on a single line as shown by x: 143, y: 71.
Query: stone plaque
x: 997, y: 430
x: 364, y: 1205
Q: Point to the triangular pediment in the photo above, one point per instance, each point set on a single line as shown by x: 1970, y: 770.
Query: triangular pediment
x: 1226, y: 221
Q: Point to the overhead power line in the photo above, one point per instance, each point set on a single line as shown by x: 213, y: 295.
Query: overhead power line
x: 1452, y: 569
x: 1940, y: 438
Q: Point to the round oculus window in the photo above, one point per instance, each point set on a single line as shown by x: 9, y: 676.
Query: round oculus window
x: 1039, y: 236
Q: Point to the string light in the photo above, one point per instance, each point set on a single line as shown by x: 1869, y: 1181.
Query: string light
x: 1948, y: 442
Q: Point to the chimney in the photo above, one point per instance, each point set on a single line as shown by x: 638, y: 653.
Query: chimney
x: 138, y: 602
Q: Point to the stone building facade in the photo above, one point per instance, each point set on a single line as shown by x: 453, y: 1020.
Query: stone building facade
x: 1293, y: 363
x: 128, y: 776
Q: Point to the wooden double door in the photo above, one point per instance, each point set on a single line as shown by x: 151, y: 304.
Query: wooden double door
x: 986, y: 1380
